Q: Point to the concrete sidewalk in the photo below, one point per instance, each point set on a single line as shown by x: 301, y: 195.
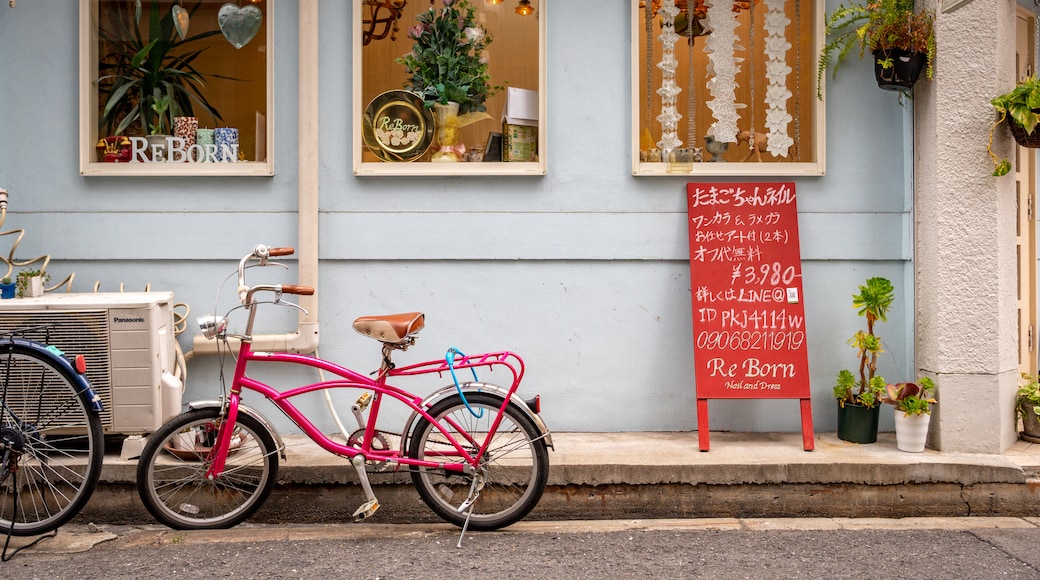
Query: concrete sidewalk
x: 660, y: 475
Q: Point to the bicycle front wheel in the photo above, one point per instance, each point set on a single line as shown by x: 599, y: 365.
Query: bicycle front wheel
x: 52, y: 445
x: 171, y: 474
x: 510, y: 478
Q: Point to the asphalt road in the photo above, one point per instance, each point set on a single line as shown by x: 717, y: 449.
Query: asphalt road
x: 948, y: 548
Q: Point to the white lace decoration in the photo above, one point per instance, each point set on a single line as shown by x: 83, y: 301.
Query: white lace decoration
x: 720, y: 46
x: 669, y: 117
x: 777, y: 94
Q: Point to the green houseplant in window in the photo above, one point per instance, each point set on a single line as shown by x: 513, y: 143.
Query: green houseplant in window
x: 448, y: 69
x: 859, y: 400
x: 142, y: 66
x: 1020, y: 107
x: 448, y: 62
x: 901, y: 40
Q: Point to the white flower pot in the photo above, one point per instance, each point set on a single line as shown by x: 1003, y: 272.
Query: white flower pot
x: 34, y: 288
x: 911, y: 431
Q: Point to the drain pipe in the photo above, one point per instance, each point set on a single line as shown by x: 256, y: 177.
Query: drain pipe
x: 305, y: 339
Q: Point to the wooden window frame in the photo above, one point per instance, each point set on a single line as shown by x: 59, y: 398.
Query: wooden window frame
x: 88, y: 109
x: 816, y: 108
x: 422, y: 168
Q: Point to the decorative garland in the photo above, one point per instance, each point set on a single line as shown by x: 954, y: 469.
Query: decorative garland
x: 669, y: 117
x: 720, y: 46
x: 777, y: 93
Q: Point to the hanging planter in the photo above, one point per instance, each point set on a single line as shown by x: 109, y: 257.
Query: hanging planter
x: 897, y: 69
x: 1020, y: 107
x: 881, y: 26
x: 1030, y: 139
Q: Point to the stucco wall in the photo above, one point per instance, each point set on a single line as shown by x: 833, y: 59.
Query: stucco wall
x: 583, y: 271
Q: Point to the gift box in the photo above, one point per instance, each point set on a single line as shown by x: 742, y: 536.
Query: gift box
x: 520, y: 125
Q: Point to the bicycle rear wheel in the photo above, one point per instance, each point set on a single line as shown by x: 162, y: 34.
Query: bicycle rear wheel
x: 513, y: 472
x: 51, y: 439
x: 171, y: 474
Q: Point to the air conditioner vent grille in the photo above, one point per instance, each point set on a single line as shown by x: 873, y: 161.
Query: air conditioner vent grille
x: 84, y: 332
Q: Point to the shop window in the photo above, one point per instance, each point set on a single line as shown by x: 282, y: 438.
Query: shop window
x: 396, y: 127
x: 726, y: 87
x: 175, y: 87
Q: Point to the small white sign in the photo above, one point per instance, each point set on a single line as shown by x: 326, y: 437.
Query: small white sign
x: 792, y: 296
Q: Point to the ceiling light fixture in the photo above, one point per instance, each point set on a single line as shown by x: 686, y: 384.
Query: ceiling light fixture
x: 524, y: 8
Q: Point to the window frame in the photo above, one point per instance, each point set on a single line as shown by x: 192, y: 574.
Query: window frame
x: 88, y: 114
x: 422, y: 168
x: 817, y: 109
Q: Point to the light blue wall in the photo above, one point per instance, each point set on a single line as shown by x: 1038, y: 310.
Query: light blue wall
x: 582, y: 271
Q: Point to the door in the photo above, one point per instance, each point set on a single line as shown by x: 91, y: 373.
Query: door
x: 1025, y: 188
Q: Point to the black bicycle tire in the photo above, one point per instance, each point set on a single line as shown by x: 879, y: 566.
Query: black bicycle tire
x: 481, y: 522
x: 157, y: 444
x: 38, y: 453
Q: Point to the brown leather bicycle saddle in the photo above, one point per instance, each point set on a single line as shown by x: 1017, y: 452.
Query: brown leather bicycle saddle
x: 390, y: 328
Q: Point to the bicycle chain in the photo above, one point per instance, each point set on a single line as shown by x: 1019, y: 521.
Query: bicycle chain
x: 379, y: 443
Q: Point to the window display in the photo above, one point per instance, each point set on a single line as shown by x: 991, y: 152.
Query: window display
x: 455, y: 58
x: 726, y: 87
x: 175, y: 87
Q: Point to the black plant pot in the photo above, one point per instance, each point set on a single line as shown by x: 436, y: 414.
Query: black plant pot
x: 904, y: 70
x: 857, y: 423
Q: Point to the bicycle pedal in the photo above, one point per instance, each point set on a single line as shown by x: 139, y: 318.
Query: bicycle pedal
x: 365, y: 511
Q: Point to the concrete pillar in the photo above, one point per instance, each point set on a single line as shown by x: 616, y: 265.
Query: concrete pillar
x: 966, y: 322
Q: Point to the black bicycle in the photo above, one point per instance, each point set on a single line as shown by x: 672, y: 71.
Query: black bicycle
x: 51, y: 443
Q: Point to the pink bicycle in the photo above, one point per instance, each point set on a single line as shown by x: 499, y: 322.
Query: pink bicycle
x: 477, y: 453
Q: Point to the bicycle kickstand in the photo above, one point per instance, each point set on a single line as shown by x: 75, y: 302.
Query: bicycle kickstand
x: 475, y: 487
x: 368, y: 508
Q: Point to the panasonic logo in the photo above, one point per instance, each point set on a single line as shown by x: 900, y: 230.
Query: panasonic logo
x: 125, y: 320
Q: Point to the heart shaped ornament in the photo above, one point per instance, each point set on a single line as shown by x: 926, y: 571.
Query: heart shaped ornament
x: 239, y: 25
x: 181, y: 19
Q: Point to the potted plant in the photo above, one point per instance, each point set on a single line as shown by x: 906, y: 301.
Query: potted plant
x: 144, y: 65
x: 859, y: 400
x: 448, y: 69
x: 1020, y: 107
x: 159, y: 130
x: 7, y: 287
x: 29, y: 283
x: 1027, y: 407
x: 901, y: 40
x: 913, y: 412
x: 447, y: 63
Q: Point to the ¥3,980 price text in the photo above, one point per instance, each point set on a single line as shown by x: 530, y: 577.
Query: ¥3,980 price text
x: 750, y: 340
x: 774, y: 274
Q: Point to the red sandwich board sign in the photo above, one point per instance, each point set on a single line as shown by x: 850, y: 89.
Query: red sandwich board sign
x: 746, y: 288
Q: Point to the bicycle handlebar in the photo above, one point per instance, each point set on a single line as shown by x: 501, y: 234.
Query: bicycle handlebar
x: 298, y: 290
x: 262, y: 253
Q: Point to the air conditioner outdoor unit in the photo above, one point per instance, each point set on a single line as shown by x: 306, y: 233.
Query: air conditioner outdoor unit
x: 128, y: 341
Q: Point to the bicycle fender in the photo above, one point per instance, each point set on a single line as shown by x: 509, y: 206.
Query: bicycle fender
x: 246, y: 409
x: 63, y: 363
x: 449, y: 390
